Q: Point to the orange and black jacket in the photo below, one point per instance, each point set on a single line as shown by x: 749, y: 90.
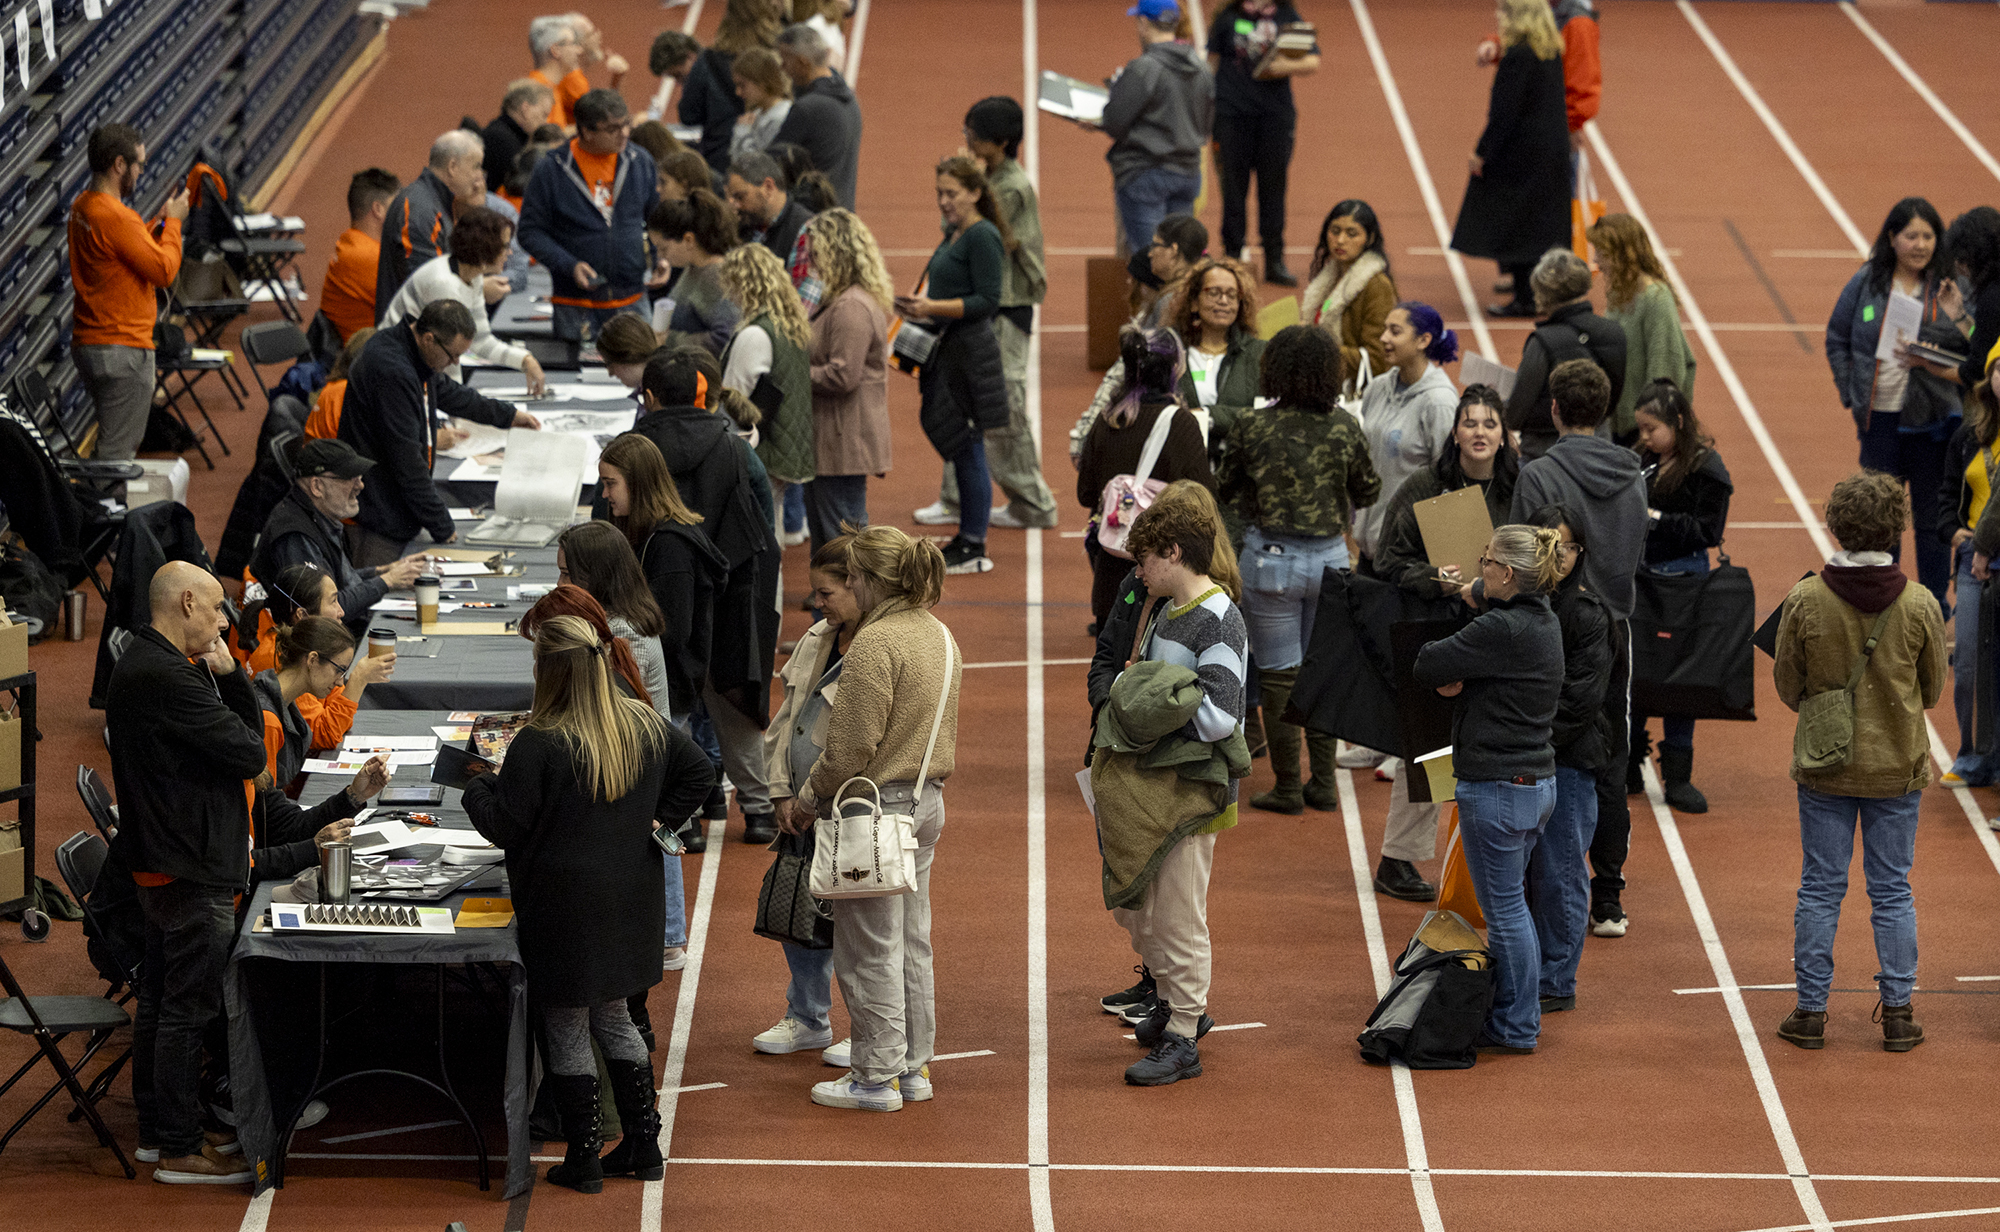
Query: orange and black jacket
x: 418, y: 228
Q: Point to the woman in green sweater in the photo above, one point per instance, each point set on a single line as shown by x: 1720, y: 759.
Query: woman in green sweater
x: 1639, y: 299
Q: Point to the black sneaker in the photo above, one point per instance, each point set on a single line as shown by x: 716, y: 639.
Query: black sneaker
x: 1119, y: 1002
x: 1148, y: 1033
x: 716, y: 807
x: 1277, y: 275
x: 1175, y: 1057
x: 1138, y: 1012
x: 760, y: 828
x: 962, y: 555
x: 1558, y: 1005
x: 694, y: 837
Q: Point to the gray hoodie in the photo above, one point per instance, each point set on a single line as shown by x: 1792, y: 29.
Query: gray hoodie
x: 1160, y: 113
x: 1406, y: 427
x: 1598, y: 481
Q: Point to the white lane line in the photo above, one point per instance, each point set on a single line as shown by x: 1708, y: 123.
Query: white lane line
x: 1828, y: 254
x: 1414, y: 1150
x: 1882, y: 1219
x: 1977, y: 979
x: 1041, y: 1203
x: 857, y: 36
x: 257, y: 1216
x: 1232, y: 1026
x: 1689, y: 992
x: 693, y: 17
x: 1739, y: 1013
x: 384, y: 1133
x: 1923, y: 89
x: 1283, y: 1170
x: 1777, y: 130
x: 654, y: 1196
x: 1425, y: 186
x: 964, y: 1056
x: 706, y: 1086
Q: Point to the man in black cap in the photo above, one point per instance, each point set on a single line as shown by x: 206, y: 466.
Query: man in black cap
x: 306, y: 526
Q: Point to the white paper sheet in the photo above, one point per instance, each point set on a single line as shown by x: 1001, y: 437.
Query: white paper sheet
x: 472, y: 470
x: 461, y: 569
x: 480, y: 438
x: 409, y: 605
x: 380, y: 836
x: 390, y: 744
x: 1479, y: 370
x: 1900, y: 324
x: 345, y: 764
x: 543, y: 476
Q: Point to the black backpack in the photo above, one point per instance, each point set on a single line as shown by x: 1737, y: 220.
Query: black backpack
x: 29, y: 588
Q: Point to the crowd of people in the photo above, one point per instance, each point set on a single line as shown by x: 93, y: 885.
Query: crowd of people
x: 729, y: 284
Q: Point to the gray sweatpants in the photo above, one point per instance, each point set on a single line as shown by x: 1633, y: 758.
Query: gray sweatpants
x: 882, y: 958
x: 120, y: 381
x: 742, y: 751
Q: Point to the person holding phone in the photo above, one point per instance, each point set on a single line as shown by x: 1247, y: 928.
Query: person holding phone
x: 574, y: 807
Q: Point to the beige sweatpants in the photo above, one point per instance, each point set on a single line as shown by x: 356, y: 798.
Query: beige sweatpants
x: 1170, y: 930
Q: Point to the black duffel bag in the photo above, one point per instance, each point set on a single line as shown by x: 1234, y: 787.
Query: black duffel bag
x: 1691, y: 650
x: 1437, y: 1002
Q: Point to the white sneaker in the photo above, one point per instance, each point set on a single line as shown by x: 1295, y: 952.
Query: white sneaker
x: 1608, y: 928
x: 793, y: 538
x: 1354, y: 757
x: 147, y: 1155
x: 841, y: 1055
x: 1003, y: 517
x: 1386, y: 772
x: 315, y: 1113
x: 791, y: 1035
x: 915, y: 1085
x: 848, y: 1091
x: 937, y: 513
x: 675, y: 958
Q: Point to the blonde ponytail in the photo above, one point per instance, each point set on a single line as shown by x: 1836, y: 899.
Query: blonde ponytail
x: 1534, y: 553
x: 901, y: 571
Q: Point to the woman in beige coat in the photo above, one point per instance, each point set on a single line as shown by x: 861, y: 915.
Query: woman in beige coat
x: 850, y: 383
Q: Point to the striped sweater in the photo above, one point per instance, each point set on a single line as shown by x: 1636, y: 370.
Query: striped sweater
x: 1209, y: 639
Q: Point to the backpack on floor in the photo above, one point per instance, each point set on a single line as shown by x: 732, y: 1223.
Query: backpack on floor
x: 1437, y: 1001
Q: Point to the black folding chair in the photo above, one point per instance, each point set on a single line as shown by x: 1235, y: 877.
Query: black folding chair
x: 97, y: 802
x: 56, y: 503
x: 80, y: 860
x: 273, y: 342
x: 50, y: 1020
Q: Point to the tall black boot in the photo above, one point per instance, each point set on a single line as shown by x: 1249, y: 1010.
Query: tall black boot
x: 638, y: 1152
x: 576, y: 1100
x: 1676, y: 766
x: 1635, y: 762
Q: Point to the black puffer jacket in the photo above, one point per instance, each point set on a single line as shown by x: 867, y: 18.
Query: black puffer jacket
x: 964, y: 388
x: 1581, y: 733
x: 1693, y: 515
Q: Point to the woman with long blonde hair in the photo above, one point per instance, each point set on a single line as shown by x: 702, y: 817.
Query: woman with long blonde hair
x: 574, y: 805
x: 766, y: 360
x: 886, y: 726
x: 1517, y: 198
x: 1637, y: 296
x: 849, y: 370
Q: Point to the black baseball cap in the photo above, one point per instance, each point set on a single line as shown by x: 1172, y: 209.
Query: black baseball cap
x: 333, y: 458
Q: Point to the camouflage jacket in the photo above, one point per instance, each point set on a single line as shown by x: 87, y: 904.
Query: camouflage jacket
x: 1295, y: 472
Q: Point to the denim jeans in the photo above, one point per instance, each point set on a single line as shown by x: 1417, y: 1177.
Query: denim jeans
x: 1970, y: 764
x: 1888, y: 848
x: 831, y: 500
x: 1559, y: 880
x: 969, y: 466
x: 1500, y: 823
x: 1677, y: 732
x: 793, y: 506
x: 677, y: 913
x: 1281, y: 580
x: 1917, y: 458
x: 809, y: 996
x: 189, y: 928
x: 1150, y: 195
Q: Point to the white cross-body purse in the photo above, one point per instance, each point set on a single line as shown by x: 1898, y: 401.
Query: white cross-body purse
x: 863, y: 851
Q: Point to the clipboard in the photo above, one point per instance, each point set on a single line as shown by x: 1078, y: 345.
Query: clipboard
x: 1456, y: 528
x: 1072, y: 99
x: 454, y: 765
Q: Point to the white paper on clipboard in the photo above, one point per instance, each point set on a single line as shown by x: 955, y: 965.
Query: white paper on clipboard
x: 93, y: 9
x: 1476, y: 369
x: 1089, y: 796
x: 22, y: 46
x: 1901, y: 322
x: 48, y: 11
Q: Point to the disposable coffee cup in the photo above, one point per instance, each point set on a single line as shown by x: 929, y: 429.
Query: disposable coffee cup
x: 381, y: 642
x: 427, y: 600
x: 336, y: 871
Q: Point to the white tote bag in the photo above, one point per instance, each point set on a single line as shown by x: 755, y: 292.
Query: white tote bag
x: 862, y: 850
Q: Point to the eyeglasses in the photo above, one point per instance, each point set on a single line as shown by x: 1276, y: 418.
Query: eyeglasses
x: 1573, y: 547
x: 1219, y: 295
x: 614, y: 126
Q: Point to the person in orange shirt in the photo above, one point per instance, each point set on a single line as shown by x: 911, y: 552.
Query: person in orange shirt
x: 558, y: 54
x: 313, y: 657
x: 347, y: 297
x: 584, y: 216
x: 115, y: 265
x: 300, y: 591
x: 324, y: 422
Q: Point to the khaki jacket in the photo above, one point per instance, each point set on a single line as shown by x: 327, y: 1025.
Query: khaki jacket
x: 800, y: 675
x: 1819, y: 637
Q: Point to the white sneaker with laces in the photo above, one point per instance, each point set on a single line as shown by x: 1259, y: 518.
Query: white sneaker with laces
x: 937, y: 513
x: 1003, y: 517
x: 915, y: 1085
x: 674, y: 959
x: 793, y: 538
x: 841, y: 1055
x: 848, y: 1091
x: 791, y: 1035
x: 1608, y: 928
x: 1355, y: 757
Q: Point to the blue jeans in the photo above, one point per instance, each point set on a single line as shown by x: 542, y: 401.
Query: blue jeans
x: 1678, y: 732
x: 1559, y: 880
x: 1281, y: 580
x: 1150, y: 195
x: 1499, y: 824
x: 1970, y: 764
x: 832, y: 500
x: 795, y: 508
x: 975, y: 486
x: 1917, y: 458
x: 809, y: 997
x: 677, y: 911
x: 1888, y: 849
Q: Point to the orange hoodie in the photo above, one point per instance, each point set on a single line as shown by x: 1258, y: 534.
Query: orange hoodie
x: 115, y: 265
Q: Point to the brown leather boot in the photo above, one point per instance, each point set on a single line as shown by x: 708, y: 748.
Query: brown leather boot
x: 1806, y: 1028
x: 1900, y: 1031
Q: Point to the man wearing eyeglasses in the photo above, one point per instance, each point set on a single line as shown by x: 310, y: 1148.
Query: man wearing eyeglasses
x: 306, y: 527
x: 584, y: 216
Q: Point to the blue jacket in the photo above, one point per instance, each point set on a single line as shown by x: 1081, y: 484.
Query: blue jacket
x: 560, y: 225
x: 1852, y: 333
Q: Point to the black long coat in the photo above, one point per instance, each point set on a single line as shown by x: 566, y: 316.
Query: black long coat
x: 1517, y: 208
x: 589, y: 889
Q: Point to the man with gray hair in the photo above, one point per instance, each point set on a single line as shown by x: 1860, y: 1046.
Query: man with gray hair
x: 1570, y: 329
x: 525, y: 107
x: 825, y: 120
x: 418, y: 225
x: 557, y: 49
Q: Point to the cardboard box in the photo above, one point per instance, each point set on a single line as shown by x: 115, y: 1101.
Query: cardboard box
x: 13, y: 863
x: 13, y: 648
x: 10, y: 752
x: 166, y: 479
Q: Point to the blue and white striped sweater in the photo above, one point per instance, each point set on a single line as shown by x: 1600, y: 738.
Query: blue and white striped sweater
x: 1210, y: 640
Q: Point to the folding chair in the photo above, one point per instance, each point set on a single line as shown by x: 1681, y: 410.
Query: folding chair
x: 260, y: 257
x: 165, y: 368
x: 53, y: 501
x: 273, y: 342
x: 97, y: 802
x: 50, y: 1020
x: 116, y: 955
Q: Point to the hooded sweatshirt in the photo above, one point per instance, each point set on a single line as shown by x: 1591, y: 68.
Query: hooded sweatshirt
x: 1406, y: 427
x: 1598, y: 481
x: 1160, y: 113
x: 825, y: 121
